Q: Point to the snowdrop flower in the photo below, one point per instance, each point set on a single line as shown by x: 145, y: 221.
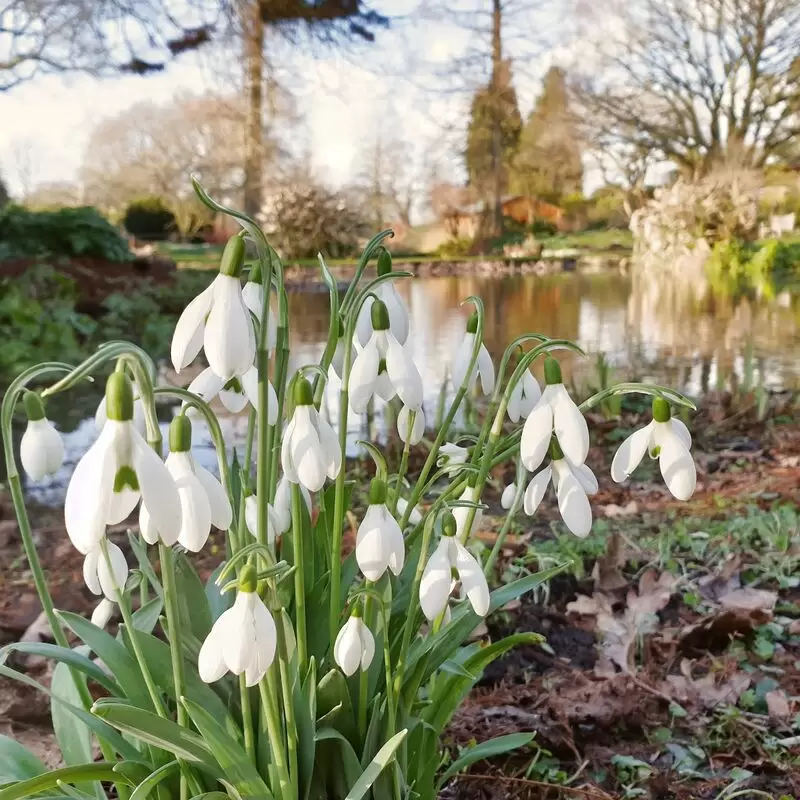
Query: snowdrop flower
x: 463, y: 356
x: 203, y: 500
x: 573, y: 484
x: 235, y: 393
x: 451, y: 456
x: 218, y: 321
x: 282, y: 507
x: 437, y: 579
x: 557, y: 413
x: 251, y: 519
x: 387, y: 294
x: 354, y: 646
x: 118, y: 470
x: 667, y: 439
x: 105, y: 572
x: 379, y: 543
x: 414, y: 435
x: 139, y: 417
x: 383, y: 355
x: 103, y: 612
x: 243, y: 639
x: 524, y: 397
x: 310, y: 449
x: 337, y: 361
x: 461, y: 513
x: 41, y: 450
x: 253, y: 296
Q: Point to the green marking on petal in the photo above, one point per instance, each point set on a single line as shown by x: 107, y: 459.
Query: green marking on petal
x: 126, y: 477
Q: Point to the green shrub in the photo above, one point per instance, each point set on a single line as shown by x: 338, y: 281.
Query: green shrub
x: 68, y: 232
x: 149, y: 218
x: 541, y: 227
x: 736, y: 266
x: 454, y: 248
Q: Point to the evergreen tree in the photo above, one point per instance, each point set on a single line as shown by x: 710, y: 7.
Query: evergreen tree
x: 493, y: 107
x: 548, y: 161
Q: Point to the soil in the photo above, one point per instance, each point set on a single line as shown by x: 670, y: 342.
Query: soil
x: 584, y: 710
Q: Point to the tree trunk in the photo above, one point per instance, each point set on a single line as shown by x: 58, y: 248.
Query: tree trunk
x: 253, y: 27
x: 497, y: 119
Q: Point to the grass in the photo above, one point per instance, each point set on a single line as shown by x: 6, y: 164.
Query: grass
x: 605, y: 239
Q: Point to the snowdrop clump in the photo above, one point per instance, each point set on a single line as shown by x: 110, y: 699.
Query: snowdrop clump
x: 294, y: 643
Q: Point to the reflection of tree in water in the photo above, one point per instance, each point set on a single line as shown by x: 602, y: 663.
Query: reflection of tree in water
x: 704, y: 336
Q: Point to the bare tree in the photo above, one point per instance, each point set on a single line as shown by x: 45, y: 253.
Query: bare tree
x: 698, y: 81
x: 152, y: 149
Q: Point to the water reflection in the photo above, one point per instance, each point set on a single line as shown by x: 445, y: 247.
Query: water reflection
x: 647, y: 327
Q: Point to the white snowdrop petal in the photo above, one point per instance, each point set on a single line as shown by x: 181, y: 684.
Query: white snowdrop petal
x: 283, y: 504
x: 253, y: 297
x: 211, y: 662
x: 233, y: 400
x: 266, y: 636
x: 228, y: 341
x: 585, y: 477
x: 535, y: 491
x: 195, y: 515
x: 221, y: 511
x: 677, y: 466
x: 372, y: 547
x: 415, y: 517
x: 89, y: 493
x: 188, y: 336
x: 514, y: 407
x: 146, y: 525
x: 347, y: 648
x: 364, y: 322
x: 434, y: 589
x: 206, y: 386
x: 507, y: 498
x: 630, y: 454
x: 239, y: 634
x: 485, y: 370
x: 396, y: 543
x: 569, y: 426
x: 473, y: 581
x: 574, y: 505
x: 41, y: 450
x: 403, y: 373
x: 535, y: 438
x: 398, y: 313
x: 682, y: 432
x: 460, y: 363
x: 307, y: 454
x: 102, y: 613
x: 289, y: 471
x: 415, y: 434
x: 112, y: 572
x: 384, y: 387
x: 330, y: 446
x: 363, y: 374
x: 531, y: 393
x: 158, y: 489
x: 367, y: 645
x: 90, y: 577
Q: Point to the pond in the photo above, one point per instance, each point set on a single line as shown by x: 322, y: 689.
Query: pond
x: 647, y: 329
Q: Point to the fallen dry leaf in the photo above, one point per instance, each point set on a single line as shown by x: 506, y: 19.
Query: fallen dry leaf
x: 606, y: 572
x: 777, y: 704
x: 612, y: 510
x: 749, y: 599
x: 705, y: 692
x: 714, y: 633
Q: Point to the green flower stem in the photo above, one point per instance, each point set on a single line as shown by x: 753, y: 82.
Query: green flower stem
x: 504, y: 530
x: 264, y: 445
x: 299, y: 578
x: 403, y: 463
x: 390, y: 701
x: 288, y: 707
x: 411, y: 614
x: 247, y: 719
x: 176, y: 647
x: 281, y: 371
x: 369, y: 250
x: 363, y: 677
x: 651, y: 389
x: 268, y: 689
x: 125, y: 610
x: 248, y: 443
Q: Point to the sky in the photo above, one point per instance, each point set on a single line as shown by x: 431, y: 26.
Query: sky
x: 404, y: 81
